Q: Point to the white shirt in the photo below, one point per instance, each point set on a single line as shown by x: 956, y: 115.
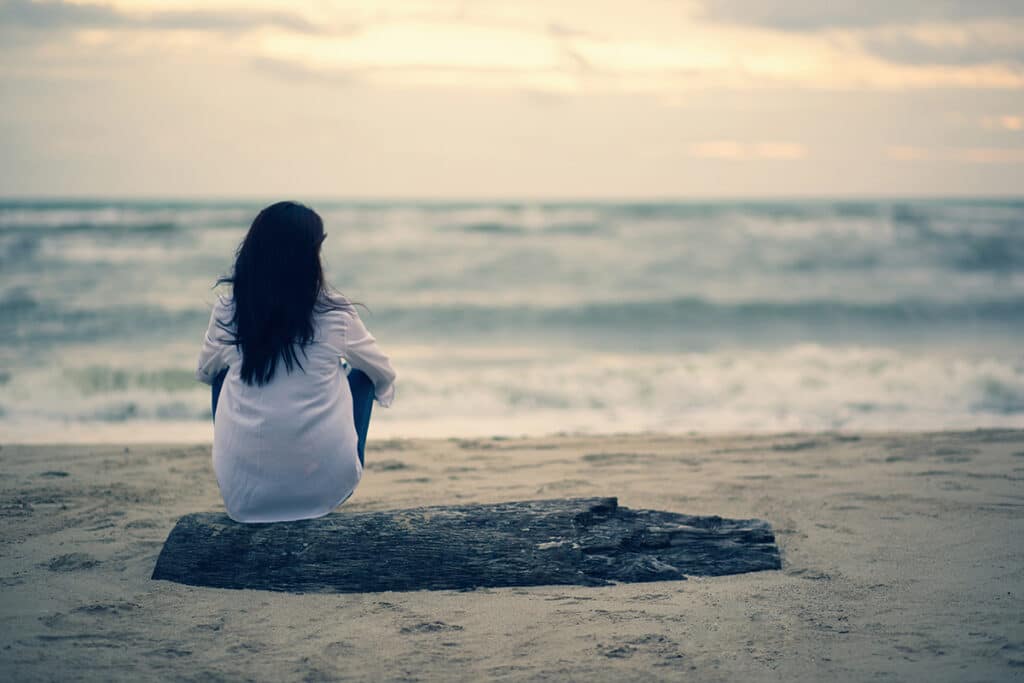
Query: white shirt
x: 287, y: 450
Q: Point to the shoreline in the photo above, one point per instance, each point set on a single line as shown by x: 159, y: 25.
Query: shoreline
x: 389, y: 437
x: 902, y: 557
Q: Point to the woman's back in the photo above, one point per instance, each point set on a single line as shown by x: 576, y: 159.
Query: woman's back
x: 287, y: 449
x: 285, y: 444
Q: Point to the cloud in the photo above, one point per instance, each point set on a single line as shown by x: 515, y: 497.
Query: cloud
x: 293, y: 72
x: 813, y: 15
x: 55, y: 15
x: 1012, y: 122
x: 949, y: 44
x: 561, y: 50
x: 991, y: 155
x: 52, y: 15
x: 733, y: 150
x: 438, y: 54
x: 921, y: 32
x: 969, y: 155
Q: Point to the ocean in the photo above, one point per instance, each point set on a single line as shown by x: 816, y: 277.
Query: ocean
x: 511, y: 318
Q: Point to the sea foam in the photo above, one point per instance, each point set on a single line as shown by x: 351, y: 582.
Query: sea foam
x: 525, y: 317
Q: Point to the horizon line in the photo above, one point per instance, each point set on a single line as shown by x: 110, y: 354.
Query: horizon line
x: 508, y: 199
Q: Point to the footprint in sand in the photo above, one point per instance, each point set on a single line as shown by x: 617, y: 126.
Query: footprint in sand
x: 72, y: 562
x: 387, y: 465
x: 339, y: 648
x: 796, y: 446
x: 650, y: 644
x: 809, y: 574
x: 617, y: 458
x: 143, y: 524
x: 212, y: 626
x: 430, y: 627
x: 108, y: 608
x: 564, y: 485
x: 650, y: 597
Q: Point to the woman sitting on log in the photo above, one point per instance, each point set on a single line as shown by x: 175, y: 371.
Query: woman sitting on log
x: 289, y: 428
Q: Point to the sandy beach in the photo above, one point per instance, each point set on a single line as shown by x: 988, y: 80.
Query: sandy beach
x: 903, y: 559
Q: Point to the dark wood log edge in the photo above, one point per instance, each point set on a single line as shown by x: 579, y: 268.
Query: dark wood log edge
x: 578, y: 541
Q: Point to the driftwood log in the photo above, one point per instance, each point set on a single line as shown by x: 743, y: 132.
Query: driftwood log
x: 582, y: 541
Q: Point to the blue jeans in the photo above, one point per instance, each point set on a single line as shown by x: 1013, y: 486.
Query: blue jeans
x: 362, y: 402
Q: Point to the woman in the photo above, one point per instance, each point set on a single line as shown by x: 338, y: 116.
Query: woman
x: 289, y: 430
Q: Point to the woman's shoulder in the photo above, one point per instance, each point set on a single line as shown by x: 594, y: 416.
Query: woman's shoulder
x: 334, y: 302
x: 334, y: 308
x: 222, y: 320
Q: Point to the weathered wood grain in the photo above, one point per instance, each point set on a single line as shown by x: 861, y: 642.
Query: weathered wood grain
x: 581, y: 541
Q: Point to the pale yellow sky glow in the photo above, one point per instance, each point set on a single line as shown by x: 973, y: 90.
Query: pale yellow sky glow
x: 653, y: 86
x: 573, y: 47
x: 730, y: 149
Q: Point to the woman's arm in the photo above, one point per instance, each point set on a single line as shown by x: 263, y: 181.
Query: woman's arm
x: 361, y: 351
x: 212, y: 358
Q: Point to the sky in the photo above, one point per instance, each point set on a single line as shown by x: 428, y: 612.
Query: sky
x: 548, y: 99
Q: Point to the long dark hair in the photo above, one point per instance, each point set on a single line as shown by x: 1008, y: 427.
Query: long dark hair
x: 277, y: 282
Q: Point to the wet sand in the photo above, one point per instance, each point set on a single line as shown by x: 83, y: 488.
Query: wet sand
x: 903, y: 559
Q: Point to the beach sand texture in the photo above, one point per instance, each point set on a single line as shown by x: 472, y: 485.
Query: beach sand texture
x: 903, y: 559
